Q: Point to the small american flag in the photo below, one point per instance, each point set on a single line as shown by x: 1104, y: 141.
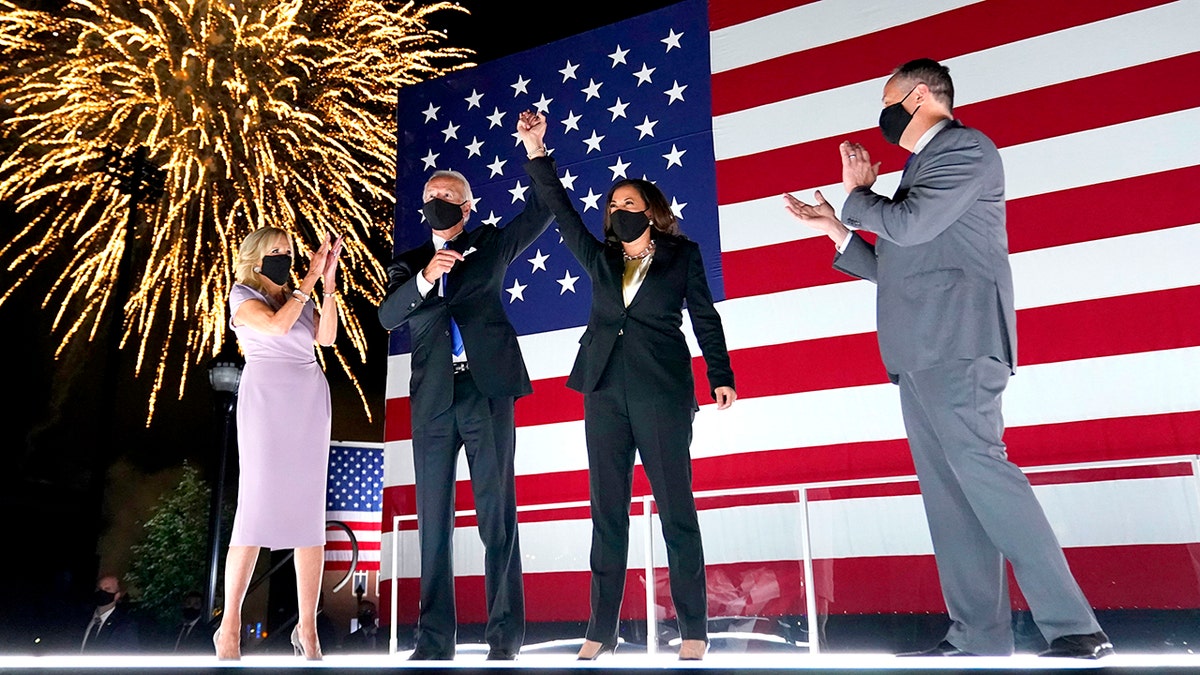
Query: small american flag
x: 354, y: 491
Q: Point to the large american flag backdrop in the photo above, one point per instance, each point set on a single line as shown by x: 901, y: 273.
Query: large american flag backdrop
x: 727, y: 104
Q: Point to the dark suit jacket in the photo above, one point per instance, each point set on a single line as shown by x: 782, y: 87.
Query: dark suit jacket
x: 474, y: 301
x: 120, y: 633
x: 197, y: 641
x: 651, y: 325
x: 359, y: 642
x: 945, y: 288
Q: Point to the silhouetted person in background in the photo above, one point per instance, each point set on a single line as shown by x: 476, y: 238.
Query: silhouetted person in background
x: 367, y: 637
x: 111, y: 628
x: 194, y: 635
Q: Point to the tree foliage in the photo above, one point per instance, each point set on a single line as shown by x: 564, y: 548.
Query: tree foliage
x: 172, y: 558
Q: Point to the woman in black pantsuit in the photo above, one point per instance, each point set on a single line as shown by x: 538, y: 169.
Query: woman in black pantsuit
x: 635, y: 371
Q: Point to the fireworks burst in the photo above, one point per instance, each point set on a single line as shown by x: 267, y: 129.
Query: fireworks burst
x: 258, y: 112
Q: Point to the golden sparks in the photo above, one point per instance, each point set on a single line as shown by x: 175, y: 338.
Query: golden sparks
x: 257, y: 112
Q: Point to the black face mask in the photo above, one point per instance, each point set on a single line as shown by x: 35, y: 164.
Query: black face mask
x: 441, y: 214
x: 628, y: 225
x: 190, y: 614
x: 366, y: 619
x: 277, y: 268
x: 102, y: 598
x: 894, y: 119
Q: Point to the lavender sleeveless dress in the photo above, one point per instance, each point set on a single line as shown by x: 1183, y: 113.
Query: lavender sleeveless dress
x: 283, y: 431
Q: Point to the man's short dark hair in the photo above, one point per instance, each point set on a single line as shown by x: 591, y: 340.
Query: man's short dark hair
x: 930, y: 73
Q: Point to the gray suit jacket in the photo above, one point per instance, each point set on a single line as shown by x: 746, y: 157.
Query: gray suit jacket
x: 945, y: 288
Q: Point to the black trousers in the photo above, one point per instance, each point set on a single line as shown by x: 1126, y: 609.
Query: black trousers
x: 620, y: 420
x: 485, y: 427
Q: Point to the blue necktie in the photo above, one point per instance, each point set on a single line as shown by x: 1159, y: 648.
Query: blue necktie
x: 456, y: 343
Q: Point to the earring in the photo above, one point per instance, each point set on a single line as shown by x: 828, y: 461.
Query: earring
x: 257, y: 269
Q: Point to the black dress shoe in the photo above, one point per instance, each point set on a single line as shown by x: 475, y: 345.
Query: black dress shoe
x: 943, y: 648
x: 501, y: 655
x: 1091, y: 646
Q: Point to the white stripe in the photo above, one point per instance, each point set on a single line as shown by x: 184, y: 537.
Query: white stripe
x: 554, y: 350
x: 1147, y: 383
x: 362, y: 536
x: 1102, y: 268
x: 1105, y: 154
x: 1067, y: 55
x: 1040, y: 167
x: 1135, y: 263
x: 814, y: 25
x: 354, y: 516
x: 345, y: 556
x: 1101, y: 513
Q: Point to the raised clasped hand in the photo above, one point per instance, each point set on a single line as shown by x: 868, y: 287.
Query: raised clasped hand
x: 857, y: 169
x: 531, y: 127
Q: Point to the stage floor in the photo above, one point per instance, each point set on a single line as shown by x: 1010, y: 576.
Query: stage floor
x: 541, y: 660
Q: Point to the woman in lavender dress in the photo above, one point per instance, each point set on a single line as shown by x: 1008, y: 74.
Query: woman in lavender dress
x: 283, y: 424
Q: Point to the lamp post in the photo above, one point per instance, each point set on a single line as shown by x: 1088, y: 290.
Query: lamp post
x: 224, y: 374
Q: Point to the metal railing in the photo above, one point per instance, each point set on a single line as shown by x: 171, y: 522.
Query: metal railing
x: 801, y: 491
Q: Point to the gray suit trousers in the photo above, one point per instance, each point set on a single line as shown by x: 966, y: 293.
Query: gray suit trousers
x: 982, y: 511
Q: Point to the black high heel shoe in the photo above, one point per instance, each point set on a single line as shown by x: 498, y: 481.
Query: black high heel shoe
x: 604, y: 649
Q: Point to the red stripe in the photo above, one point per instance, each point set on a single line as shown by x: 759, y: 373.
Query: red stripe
x: 1099, y: 211
x: 345, y: 545
x: 722, y: 14
x: 876, y: 54
x: 785, y: 266
x: 397, y: 419
x: 356, y: 526
x: 1117, y: 438
x: 1008, y: 121
x: 1035, y: 222
x: 1148, y: 576
x: 1125, y: 324
x: 1104, y: 327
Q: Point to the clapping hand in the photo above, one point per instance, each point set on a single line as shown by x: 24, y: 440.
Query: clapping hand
x: 331, y: 263
x: 819, y: 216
x: 857, y: 169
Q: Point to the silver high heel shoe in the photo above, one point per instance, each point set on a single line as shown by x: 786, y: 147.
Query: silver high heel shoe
x: 217, y: 639
x: 298, y: 648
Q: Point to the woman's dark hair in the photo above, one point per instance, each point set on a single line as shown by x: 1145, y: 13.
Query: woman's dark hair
x: 658, y: 209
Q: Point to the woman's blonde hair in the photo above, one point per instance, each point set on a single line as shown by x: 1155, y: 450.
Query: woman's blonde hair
x: 251, y: 252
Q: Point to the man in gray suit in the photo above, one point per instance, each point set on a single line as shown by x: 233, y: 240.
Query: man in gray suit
x: 947, y: 334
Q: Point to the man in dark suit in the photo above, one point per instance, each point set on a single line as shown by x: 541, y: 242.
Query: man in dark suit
x: 947, y: 334
x: 366, y: 638
x: 111, y: 628
x: 467, y: 372
x: 195, y: 633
